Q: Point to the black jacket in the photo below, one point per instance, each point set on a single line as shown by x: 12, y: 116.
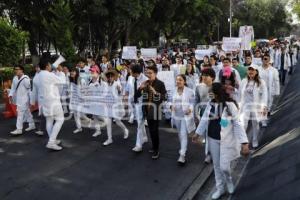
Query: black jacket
x: 152, y: 103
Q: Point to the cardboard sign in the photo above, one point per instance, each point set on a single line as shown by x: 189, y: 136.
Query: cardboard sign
x: 231, y: 44
x: 149, y: 53
x: 200, y: 53
x: 169, y: 80
x: 129, y: 53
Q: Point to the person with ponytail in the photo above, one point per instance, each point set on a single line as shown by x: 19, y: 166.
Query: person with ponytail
x: 226, y: 137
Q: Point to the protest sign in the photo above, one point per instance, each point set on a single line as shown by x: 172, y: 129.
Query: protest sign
x: 99, y: 101
x: 149, y: 53
x: 129, y: 53
x: 169, y: 80
x: 231, y: 44
x: 200, y: 53
x: 246, y: 33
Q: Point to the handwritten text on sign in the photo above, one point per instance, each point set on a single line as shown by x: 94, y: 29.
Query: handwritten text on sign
x: 98, y: 101
x: 149, y: 53
x: 231, y: 44
x: 129, y: 53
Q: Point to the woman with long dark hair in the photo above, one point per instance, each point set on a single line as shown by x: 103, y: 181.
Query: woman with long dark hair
x: 225, y: 136
x: 183, y: 114
x: 254, y: 101
x: 192, y: 78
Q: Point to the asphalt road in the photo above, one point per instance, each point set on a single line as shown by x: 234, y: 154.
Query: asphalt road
x: 86, y: 170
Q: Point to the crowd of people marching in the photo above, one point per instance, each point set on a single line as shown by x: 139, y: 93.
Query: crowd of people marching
x: 222, y: 100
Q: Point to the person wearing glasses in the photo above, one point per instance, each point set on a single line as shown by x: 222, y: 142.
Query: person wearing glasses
x: 154, y: 94
x: 19, y: 95
x: 271, y: 77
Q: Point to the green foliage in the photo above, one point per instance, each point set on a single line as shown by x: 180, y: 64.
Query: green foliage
x: 60, y: 27
x: 7, y: 73
x: 12, y: 41
x: 82, y: 25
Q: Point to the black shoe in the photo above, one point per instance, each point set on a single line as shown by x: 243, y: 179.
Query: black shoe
x: 155, y: 155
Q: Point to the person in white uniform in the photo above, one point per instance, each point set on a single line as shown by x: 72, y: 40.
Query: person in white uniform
x: 226, y: 137
x: 115, y: 87
x: 34, y: 98
x: 271, y: 77
x: 254, y: 100
x: 183, y: 114
x: 96, y: 81
x: 19, y: 94
x: 50, y: 104
x: 177, y: 67
x: 137, y: 80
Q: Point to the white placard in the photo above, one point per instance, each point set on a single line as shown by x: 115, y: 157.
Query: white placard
x: 129, y: 53
x: 200, y: 53
x: 98, y: 101
x: 149, y: 53
x: 203, y: 46
x: 169, y: 80
x: 246, y: 33
x: 231, y: 44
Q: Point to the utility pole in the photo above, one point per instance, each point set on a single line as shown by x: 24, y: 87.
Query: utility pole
x: 230, y: 17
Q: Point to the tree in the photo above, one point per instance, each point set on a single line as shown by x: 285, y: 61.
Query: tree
x: 12, y: 42
x: 60, y: 28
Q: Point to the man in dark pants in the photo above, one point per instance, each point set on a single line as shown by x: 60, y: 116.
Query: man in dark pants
x: 154, y: 93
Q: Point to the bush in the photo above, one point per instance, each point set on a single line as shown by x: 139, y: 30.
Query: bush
x: 7, y: 73
x: 12, y: 41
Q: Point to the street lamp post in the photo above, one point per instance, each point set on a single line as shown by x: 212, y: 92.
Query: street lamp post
x: 230, y: 18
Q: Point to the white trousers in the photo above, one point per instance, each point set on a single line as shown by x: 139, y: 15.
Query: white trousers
x: 53, y: 127
x: 78, y: 116
x: 22, y: 116
x: 222, y: 175
x: 108, y: 122
x: 141, y: 130
x: 183, y: 135
x: 254, y: 131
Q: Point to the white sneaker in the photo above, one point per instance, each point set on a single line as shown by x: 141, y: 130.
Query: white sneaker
x: 145, y: 139
x: 146, y: 123
x: 264, y: 124
x: 53, y: 146
x: 97, y: 133
x: 57, y: 142
x: 107, y: 142
x: 254, y: 144
x: 181, y: 159
x: 17, y: 132
x: 130, y: 121
x: 40, y: 133
x: 126, y: 134
x: 137, y: 149
x: 77, y: 130
x: 207, y: 159
x: 217, y: 194
x: 30, y: 128
x: 230, y: 187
